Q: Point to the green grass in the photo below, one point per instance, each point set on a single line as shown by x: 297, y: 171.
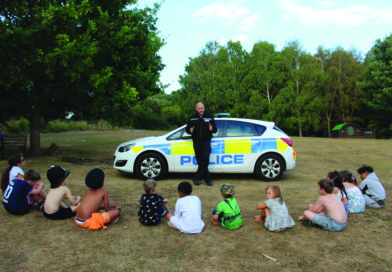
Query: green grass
x: 35, y: 243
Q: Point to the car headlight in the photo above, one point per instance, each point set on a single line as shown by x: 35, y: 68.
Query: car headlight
x: 125, y: 148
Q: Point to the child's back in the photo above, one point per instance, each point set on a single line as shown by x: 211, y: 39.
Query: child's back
x: 231, y: 214
x: 152, y: 205
x: 87, y: 215
x: 91, y: 203
x: 334, y: 207
x: 187, y: 215
x: 227, y: 214
x: 55, y: 208
x: 279, y: 218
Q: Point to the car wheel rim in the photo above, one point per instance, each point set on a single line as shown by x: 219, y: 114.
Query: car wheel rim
x: 150, y: 167
x: 270, y: 168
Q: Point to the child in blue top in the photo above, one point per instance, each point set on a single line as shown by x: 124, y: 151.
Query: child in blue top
x: 20, y: 195
x: 274, y: 211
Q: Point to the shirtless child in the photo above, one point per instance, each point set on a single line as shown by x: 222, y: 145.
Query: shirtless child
x: 328, y: 212
x: 87, y: 215
x: 54, y: 207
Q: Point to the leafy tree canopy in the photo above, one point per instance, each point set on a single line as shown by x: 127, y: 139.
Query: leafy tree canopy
x: 95, y: 57
x: 378, y: 86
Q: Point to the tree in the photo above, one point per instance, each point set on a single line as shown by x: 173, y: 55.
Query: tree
x: 342, y: 70
x: 298, y: 104
x: 264, y: 80
x: 378, y: 87
x: 93, y: 57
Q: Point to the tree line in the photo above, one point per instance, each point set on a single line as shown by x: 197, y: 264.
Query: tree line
x: 302, y: 93
x: 99, y: 60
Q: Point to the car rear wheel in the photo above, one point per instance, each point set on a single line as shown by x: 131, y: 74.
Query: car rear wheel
x: 151, y: 166
x: 270, y: 167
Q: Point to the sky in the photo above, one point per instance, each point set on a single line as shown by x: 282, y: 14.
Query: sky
x: 187, y: 25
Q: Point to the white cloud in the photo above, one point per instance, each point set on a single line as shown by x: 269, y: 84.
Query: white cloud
x: 230, y: 14
x: 325, y: 13
x: 241, y: 38
x: 220, y: 11
x: 222, y: 42
x: 250, y: 22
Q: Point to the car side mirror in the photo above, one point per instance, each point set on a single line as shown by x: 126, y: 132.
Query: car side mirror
x: 186, y: 136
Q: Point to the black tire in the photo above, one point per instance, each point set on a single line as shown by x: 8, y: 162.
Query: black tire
x: 150, y: 165
x: 270, y: 167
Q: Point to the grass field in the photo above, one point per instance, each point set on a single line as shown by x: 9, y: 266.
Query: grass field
x: 34, y: 243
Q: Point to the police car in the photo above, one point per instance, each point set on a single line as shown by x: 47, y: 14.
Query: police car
x: 238, y: 146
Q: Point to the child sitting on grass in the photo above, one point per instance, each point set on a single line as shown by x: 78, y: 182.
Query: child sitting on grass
x: 328, y: 212
x: 54, y: 207
x: 339, y: 189
x: 227, y: 214
x: 87, y: 215
x: 187, y: 214
x: 372, y: 189
x: 152, y: 205
x: 13, y: 171
x: 20, y: 195
x: 274, y: 211
x: 356, y: 201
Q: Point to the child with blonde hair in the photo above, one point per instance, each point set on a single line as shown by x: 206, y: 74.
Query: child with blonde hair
x: 274, y: 213
x: 152, y: 205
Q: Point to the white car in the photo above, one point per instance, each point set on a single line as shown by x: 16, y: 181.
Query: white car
x: 239, y: 146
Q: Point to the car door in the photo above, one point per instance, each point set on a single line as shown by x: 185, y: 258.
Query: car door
x: 240, y: 147
x: 182, y: 155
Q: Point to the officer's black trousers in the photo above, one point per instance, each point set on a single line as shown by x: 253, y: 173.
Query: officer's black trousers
x: 202, y: 151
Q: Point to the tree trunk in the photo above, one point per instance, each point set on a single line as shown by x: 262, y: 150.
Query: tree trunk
x: 329, y: 127
x: 35, y: 141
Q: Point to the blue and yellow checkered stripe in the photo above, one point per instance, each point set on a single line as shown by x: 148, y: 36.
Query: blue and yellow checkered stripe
x: 232, y: 146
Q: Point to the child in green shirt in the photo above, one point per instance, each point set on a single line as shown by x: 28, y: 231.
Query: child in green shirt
x: 227, y: 214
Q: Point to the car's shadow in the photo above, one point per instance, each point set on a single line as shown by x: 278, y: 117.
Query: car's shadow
x: 218, y: 177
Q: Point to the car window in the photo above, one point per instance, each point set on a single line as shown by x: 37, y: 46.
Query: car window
x: 177, y: 135
x: 219, y: 125
x: 278, y: 129
x: 260, y: 129
x: 239, y: 129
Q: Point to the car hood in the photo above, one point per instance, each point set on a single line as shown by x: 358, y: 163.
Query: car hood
x: 143, y: 141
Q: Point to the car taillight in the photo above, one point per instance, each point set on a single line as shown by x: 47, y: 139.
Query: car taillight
x: 287, y: 141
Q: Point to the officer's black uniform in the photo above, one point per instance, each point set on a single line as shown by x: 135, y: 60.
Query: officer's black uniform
x: 202, y: 144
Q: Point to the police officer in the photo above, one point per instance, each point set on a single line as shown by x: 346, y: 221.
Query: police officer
x: 201, y: 125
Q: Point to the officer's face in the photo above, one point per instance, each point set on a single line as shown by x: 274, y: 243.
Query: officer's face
x: 200, y: 108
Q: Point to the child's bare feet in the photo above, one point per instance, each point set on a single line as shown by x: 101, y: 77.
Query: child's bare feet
x: 258, y: 219
x: 215, y: 222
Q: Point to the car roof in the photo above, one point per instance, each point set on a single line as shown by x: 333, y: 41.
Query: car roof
x: 254, y: 121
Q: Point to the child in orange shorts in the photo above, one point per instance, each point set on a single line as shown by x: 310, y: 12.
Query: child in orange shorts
x: 87, y: 215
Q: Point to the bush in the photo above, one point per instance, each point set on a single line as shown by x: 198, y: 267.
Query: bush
x: 17, y: 126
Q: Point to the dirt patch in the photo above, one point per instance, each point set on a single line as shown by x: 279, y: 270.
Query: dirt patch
x: 87, y: 162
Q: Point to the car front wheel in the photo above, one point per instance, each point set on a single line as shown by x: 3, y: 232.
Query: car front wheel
x: 151, y: 166
x: 270, y: 167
